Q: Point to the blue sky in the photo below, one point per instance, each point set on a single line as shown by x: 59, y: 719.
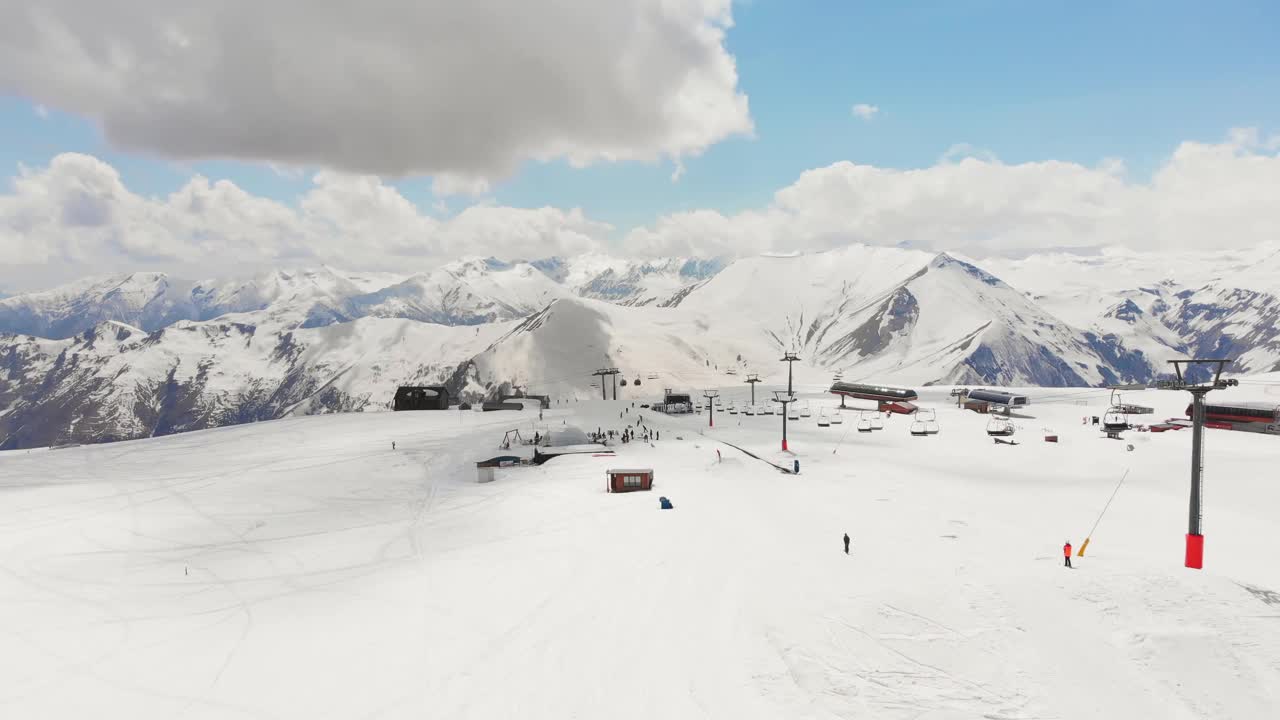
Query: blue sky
x: 1075, y: 81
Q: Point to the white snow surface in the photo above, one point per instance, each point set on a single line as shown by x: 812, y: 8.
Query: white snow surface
x: 301, y: 568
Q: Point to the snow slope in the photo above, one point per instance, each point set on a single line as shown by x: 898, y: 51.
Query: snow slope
x: 557, y: 350
x: 302, y: 569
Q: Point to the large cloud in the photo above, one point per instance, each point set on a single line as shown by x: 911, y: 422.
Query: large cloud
x: 1204, y: 196
x: 76, y: 216
x: 390, y: 87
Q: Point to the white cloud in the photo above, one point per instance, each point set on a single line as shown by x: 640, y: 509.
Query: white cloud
x: 389, y: 87
x: 76, y: 216
x: 1204, y: 196
x: 864, y: 111
x: 447, y: 185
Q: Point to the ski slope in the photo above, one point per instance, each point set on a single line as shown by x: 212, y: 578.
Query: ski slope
x: 301, y: 568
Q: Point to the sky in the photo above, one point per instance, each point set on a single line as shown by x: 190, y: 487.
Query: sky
x: 232, y: 136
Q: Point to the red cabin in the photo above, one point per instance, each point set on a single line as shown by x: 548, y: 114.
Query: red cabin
x: 629, y: 480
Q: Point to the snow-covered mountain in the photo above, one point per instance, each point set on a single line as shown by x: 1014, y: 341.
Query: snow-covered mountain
x: 953, y: 323
x: 145, y: 299
x: 116, y: 382
x: 631, y: 282
x: 144, y: 354
x: 1168, y: 305
x: 464, y: 293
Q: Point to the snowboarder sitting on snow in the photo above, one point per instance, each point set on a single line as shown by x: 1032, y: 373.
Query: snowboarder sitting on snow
x: 846, y: 543
x: 1066, y: 552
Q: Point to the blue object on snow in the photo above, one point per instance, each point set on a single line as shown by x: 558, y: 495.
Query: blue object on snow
x: 665, y: 503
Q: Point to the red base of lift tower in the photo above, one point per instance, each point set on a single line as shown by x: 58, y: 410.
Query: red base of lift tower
x: 1195, y: 551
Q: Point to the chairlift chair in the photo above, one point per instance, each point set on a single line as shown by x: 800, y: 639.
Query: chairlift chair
x: 837, y: 418
x: 823, y: 420
x: 864, y: 423
x: 804, y: 411
x: 793, y: 414
x: 1114, y: 422
x: 918, y: 427
x: 999, y: 427
x: 927, y: 418
x: 877, y: 421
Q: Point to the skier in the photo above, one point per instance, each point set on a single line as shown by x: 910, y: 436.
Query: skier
x: 393, y: 444
x: 846, y: 543
x: 1066, y: 552
x: 717, y: 454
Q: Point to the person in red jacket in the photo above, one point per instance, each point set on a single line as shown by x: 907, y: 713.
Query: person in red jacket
x: 1066, y: 552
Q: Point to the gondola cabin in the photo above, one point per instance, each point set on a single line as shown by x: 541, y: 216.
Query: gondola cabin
x: 422, y: 397
x: 620, y: 481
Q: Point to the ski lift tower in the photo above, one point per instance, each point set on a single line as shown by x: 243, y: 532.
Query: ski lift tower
x: 789, y: 358
x: 711, y: 395
x: 782, y: 397
x: 613, y: 373
x: 1195, y: 539
x: 753, y: 379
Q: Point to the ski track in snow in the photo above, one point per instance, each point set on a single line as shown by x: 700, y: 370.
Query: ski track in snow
x: 302, y: 569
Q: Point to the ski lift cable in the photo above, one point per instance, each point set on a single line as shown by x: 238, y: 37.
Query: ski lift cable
x: 840, y: 442
x: 1104, y: 512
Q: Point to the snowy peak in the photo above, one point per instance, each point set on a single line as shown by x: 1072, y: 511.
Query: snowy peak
x: 145, y: 299
x: 953, y: 322
x: 947, y: 263
x: 463, y: 294
x: 1126, y: 311
x: 313, y: 297
x: 660, y: 282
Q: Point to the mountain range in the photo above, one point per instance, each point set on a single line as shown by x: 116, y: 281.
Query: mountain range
x: 142, y: 354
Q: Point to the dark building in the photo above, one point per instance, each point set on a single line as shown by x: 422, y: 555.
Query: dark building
x: 545, y: 400
x: 422, y: 397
